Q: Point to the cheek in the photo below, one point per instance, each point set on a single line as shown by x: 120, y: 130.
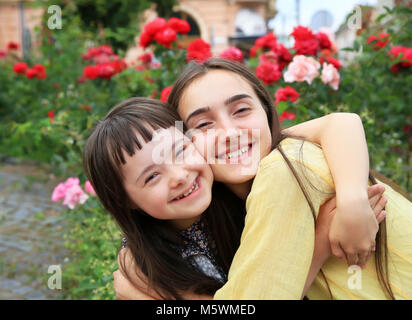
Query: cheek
x: 153, y: 201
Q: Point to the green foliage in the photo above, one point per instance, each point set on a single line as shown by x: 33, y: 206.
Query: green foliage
x: 94, y: 241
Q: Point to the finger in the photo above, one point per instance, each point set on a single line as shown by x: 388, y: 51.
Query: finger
x: 375, y: 189
x: 374, y: 199
x: 362, y: 258
x: 379, y: 206
x: 353, y: 258
x: 381, y: 216
x: 337, y: 251
x: 366, y: 260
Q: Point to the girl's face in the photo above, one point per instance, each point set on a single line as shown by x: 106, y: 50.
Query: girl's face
x: 168, y: 178
x: 230, y: 126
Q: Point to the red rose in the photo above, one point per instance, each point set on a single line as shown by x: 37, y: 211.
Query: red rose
x: 198, y: 50
x: 378, y: 42
x: 284, y: 56
x: 253, y: 51
x: 41, y: 75
x: 307, y: 47
x: 302, y: 33
x: 324, y: 41
x: 154, y: 26
x: 267, y: 41
x: 286, y: 115
x: 91, y: 72
x: 145, y: 40
x: 20, y: 67
x: 3, y: 53
x: 335, y: 62
x: 31, y: 73
x: 166, y: 37
x: 406, y: 56
x: 165, y: 93
x: 50, y: 114
x: 179, y: 25
x: 12, y: 45
x: 286, y: 94
x: 268, y: 72
x: 146, y: 58
x: 233, y: 54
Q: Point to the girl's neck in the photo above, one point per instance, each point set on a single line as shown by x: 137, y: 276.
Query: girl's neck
x: 181, y: 224
x: 241, y: 189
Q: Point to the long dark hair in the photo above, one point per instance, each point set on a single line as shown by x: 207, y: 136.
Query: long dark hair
x: 153, y: 242
x: 196, y: 70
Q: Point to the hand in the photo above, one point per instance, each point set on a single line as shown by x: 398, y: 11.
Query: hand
x: 354, y: 227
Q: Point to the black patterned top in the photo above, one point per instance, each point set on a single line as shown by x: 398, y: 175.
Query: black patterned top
x: 199, y: 250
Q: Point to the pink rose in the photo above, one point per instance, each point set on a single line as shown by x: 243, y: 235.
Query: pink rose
x: 302, y: 69
x: 59, y: 192
x: 89, y: 188
x: 330, y: 75
x: 74, y: 196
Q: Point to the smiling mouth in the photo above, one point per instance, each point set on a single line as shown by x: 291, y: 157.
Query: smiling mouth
x: 236, y: 154
x: 194, y: 187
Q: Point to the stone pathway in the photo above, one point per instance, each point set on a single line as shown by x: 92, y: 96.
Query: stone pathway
x: 31, y: 233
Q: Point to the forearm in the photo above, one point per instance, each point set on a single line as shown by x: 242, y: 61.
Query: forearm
x: 342, y: 138
x: 345, y: 148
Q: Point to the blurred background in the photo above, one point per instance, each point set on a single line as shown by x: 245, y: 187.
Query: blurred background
x: 64, y: 64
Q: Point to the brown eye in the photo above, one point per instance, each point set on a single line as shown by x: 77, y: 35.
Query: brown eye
x: 202, y: 125
x: 242, y: 110
x: 151, y: 177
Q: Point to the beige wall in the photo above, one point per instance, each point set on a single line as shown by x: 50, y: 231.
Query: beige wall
x: 10, y: 25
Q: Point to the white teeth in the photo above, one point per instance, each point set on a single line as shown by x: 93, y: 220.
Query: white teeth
x: 237, y: 153
x: 193, y: 188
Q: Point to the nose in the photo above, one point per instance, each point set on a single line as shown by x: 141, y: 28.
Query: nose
x: 178, y: 176
x: 227, y: 133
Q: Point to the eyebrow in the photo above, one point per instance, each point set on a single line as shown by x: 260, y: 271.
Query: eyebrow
x: 226, y: 102
x: 150, y: 167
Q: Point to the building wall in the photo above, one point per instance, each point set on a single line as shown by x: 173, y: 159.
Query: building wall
x: 10, y: 22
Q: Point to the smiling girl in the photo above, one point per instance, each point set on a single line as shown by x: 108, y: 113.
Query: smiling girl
x: 224, y: 101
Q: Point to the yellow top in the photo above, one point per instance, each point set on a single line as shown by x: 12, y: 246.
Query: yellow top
x: 277, y: 243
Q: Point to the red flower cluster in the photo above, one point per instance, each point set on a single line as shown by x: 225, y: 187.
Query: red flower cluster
x: 286, y: 115
x: 268, y: 72
x: 268, y: 41
x: 38, y: 70
x: 12, y: 45
x: 105, y: 70
x: 199, y: 51
x: 286, y: 94
x: 378, y: 42
x: 165, y: 93
x: 163, y: 32
x: 272, y: 62
x: 233, y: 54
x: 333, y: 61
x: 395, y: 52
x: 101, y: 54
x: 308, y: 43
x: 146, y: 57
